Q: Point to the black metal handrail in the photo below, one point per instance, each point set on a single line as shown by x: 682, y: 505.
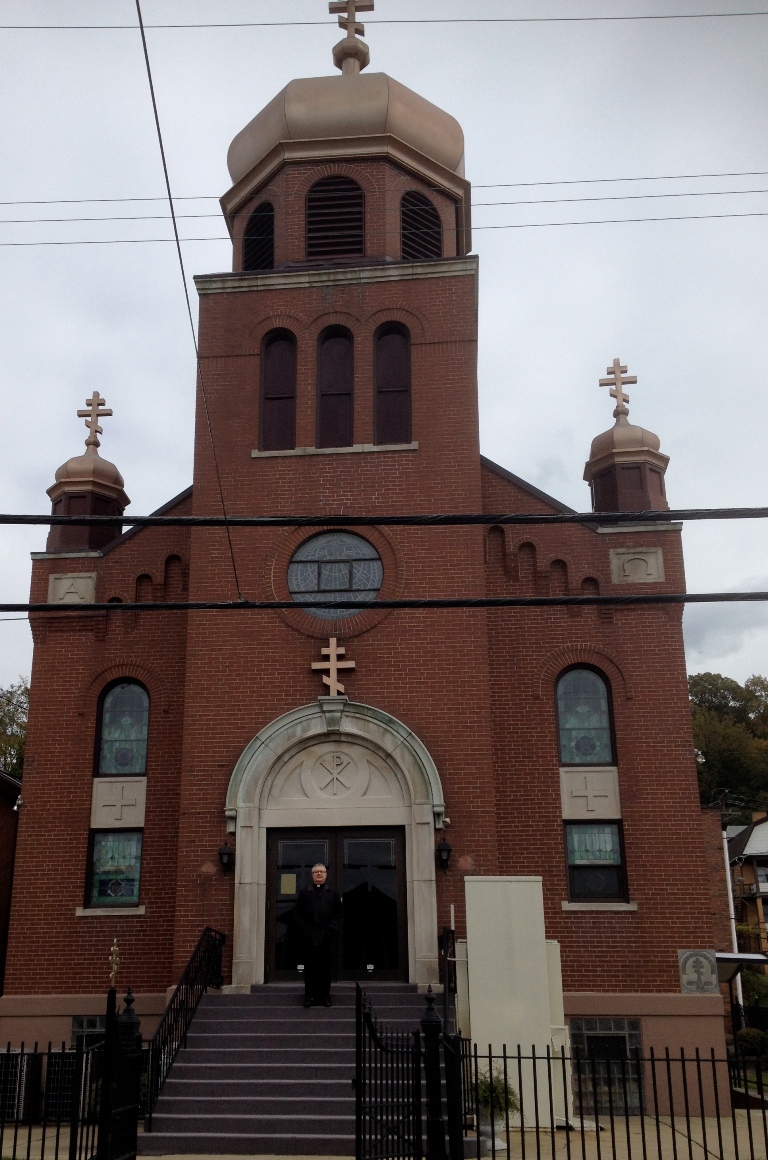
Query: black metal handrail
x: 201, y: 972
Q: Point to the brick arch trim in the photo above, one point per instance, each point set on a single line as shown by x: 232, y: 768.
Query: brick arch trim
x: 410, y: 318
x: 136, y: 670
x: 583, y: 654
x: 349, y: 169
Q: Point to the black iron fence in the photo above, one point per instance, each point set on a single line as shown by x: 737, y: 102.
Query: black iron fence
x: 74, y: 1104
x: 201, y: 972
x: 516, y: 1105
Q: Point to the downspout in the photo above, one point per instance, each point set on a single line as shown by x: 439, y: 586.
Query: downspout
x: 732, y: 915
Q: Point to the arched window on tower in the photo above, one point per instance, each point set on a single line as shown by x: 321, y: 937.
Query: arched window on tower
x: 123, y: 724
x: 259, y: 239
x: 584, y: 718
x: 278, y: 391
x: 335, y: 387
x: 335, y: 219
x: 392, y: 371
x: 420, y: 227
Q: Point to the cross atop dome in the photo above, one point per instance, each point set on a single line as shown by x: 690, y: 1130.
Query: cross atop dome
x: 617, y: 381
x: 350, y: 54
x: 96, y: 410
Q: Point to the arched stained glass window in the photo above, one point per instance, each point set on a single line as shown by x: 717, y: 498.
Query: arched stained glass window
x: 584, y: 718
x: 123, y: 727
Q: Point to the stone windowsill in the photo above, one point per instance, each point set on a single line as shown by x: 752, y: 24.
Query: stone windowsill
x: 355, y: 449
x: 109, y: 911
x: 598, y: 905
x: 84, y: 555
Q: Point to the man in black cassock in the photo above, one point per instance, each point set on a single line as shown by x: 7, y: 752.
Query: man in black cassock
x: 318, y: 916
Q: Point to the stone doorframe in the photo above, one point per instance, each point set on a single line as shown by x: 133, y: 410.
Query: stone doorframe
x: 260, y: 797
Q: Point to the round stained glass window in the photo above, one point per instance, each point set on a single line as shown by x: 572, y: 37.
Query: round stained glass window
x: 336, y: 567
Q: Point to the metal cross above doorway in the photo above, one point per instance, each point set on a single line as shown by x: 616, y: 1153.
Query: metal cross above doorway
x: 367, y: 867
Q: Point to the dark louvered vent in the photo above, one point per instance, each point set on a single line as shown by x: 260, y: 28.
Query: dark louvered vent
x: 335, y: 219
x: 259, y: 239
x: 421, y: 228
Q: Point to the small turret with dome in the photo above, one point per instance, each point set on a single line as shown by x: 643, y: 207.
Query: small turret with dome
x: 87, y: 485
x: 393, y: 184
x: 625, y: 469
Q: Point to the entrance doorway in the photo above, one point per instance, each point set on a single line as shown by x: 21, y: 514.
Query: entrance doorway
x: 367, y: 867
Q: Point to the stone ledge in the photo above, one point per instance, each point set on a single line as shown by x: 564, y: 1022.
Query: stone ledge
x: 355, y: 449
x: 598, y: 905
x: 109, y: 911
x: 627, y: 529
x: 335, y: 276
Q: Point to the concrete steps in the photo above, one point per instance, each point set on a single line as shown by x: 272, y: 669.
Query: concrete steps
x: 263, y: 1075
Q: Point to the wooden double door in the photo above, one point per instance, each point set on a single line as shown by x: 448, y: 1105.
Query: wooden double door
x: 367, y: 867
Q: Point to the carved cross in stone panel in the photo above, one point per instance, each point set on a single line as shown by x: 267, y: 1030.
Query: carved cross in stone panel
x: 333, y: 664
x: 96, y: 410
x: 349, y: 10
x: 617, y: 381
x: 589, y: 793
x: 120, y: 802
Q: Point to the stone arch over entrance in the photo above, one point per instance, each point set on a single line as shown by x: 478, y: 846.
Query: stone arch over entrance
x: 282, y: 779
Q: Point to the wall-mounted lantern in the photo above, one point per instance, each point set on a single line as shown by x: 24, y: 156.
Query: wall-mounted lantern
x: 444, y: 851
x: 226, y: 857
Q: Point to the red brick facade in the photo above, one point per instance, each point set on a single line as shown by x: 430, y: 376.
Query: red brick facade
x: 476, y: 686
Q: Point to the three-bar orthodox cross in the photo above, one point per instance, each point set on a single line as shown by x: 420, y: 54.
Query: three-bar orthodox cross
x: 617, y: 381
x: 348, y: 17
x: 333, y: 664
x: 96, y: 410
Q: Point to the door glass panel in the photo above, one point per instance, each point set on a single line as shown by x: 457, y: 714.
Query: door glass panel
x: 370, y: 904
x: 295, y: 860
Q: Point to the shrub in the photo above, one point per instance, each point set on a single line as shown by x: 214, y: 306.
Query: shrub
x: 504, y: 1096
x: 751, y: 1042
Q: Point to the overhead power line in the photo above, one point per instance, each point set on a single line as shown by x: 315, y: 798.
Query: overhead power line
x: 619, y: 601
x: 340, y: 521
x: 475, y: 205
x: 186, y: 294
x: 685, y: 217
x: 494, y: 185
x: 405, y: 20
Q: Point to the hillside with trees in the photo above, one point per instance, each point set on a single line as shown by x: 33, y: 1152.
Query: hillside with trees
x: 730, y: 730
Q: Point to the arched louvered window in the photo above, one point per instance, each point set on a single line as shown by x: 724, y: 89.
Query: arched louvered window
x: 259, y: 239
x: 335, y: 387
x: 335, y: 219
x: 392, y: 370
x: 584, y: 718
x: 122, y: 730
x: 421, y: 228
x: 278, y: 391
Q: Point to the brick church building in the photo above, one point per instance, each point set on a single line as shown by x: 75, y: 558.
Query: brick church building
x: 337, y: 376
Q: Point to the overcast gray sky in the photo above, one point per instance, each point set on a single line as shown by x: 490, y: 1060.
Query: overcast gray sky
x: 684, y: 303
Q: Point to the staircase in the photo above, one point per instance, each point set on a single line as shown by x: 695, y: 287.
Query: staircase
x: 263, y: 1075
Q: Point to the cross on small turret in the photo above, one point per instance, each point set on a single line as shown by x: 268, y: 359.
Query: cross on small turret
x: 349, y: 10
x: 617, y: 381
x: 95, y: 412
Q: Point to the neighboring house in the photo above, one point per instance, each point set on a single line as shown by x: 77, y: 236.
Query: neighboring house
x: 10, y: 789
x: 748, y: 855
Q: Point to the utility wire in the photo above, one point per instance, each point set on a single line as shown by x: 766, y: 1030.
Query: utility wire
x: 186, y: 294
x: 495, y: 185
x: 475, y: 205
x: 686, y: 217
x: 567, y: 516
x: 407, y: 20
x: 643, y: 598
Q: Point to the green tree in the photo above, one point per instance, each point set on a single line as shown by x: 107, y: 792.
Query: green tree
x: 730, y: 730
x: 14, y: 706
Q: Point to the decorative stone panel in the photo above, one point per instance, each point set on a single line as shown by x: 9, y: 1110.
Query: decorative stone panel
x: 698, y: 973
x: 72, y: 588
x: 590, y: 792
x: 637, y: 565
x: 118, y: 803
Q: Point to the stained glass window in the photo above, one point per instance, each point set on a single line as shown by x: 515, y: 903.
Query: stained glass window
x: 124, y: 724
x: 583, y: 718
x: 336, y: 565
x: 116, y: 868
x: 595, y: 867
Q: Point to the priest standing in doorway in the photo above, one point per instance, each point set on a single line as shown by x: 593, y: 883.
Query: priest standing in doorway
x: 318, y: 916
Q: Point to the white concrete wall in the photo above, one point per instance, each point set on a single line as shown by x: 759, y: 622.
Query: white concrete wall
x: 515, y: 990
